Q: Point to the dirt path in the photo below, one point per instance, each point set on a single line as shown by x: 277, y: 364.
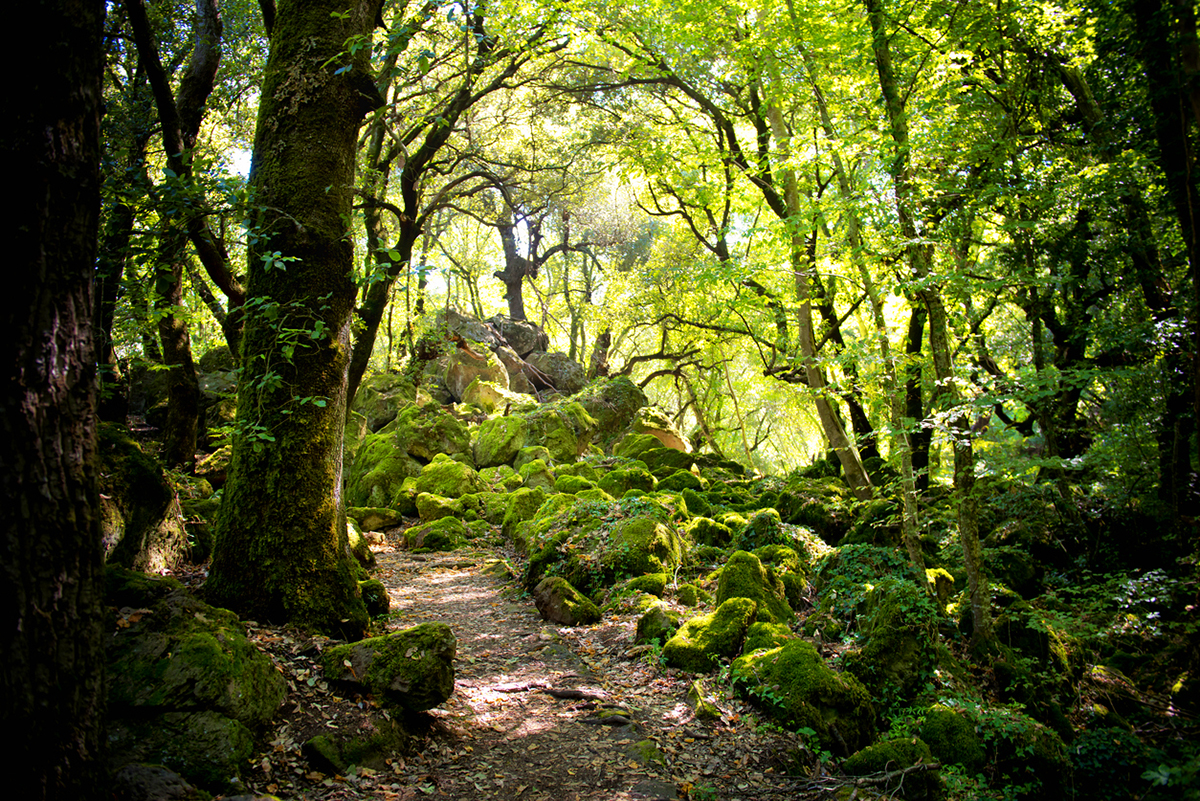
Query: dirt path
x: 511, y: 737
x: 539, y: 712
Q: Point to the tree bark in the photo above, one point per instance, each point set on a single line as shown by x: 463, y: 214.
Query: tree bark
x: 281, y: 551
x: 920, y: 258
x: 51, y: 634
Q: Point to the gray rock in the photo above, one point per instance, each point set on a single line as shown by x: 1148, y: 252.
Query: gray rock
x: 413, y: 669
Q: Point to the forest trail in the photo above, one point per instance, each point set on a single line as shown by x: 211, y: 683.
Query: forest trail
x: 534, y: 707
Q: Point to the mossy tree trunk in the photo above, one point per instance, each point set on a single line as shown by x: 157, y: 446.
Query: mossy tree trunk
x: 281, y: 551
x: 51, y: 630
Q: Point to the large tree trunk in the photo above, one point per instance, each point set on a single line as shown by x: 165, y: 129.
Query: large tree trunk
x: 281, y: 550
x: 51, y: 635
x: 183, y: 386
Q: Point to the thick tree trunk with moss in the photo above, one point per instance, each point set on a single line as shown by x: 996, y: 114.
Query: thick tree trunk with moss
x: 51, y: 630
x: 281, y: 550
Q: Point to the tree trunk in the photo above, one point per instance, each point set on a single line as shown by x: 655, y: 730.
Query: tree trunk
x: 51, y: 631
x: 183, y: 386
x: 920, y: 263
x: 516, y: 267
x: 281, y: 551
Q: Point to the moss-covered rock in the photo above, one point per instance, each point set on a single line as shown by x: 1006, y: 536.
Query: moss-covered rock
x: 888, y: 756
x: 899, y: 634
x: 358, y: 543
x: 375, y: 597
x: 704, y: 531
x: 744, y: 576
x: 443, y: 534
x: 612, y: 403
x: 432, y: 507
x: 537, y: 474
x: 691, y: 595
x: 371, y: 518
x: 140, y: 518
x: 702, y: 641
x: 172, y: 652
x: 678, y: 481
x: 489, y: 506
x: 501, y: 478
x: 697, y: 504
x: 619, y: 481
x: 765, y: 636
x: 645, y: 545
x: 412, y: 669
x: 207, y: 748
x: 449, y: 479
x: 763, y: 527
x: 565, y: 429
x: 572, y: 484
x: 559, y: 602
x: 523, y: 504
x: 796, y: 687
x: 499, y: 440
x: 657, y: 623
x: 953, y: 739
x: 633, y: 445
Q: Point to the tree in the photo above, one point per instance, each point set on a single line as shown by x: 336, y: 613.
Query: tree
x: 52, y: 640
x: 281, y: 550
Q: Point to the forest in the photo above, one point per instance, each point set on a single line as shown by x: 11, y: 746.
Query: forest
x: 922, y: 279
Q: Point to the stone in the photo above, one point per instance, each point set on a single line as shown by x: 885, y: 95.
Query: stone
x: 449, y: 479
x: 558, y: 602
x: 702, y: 641
x: 563, y: 373
x: 658, y: 623
x: 653, y: 421
x: 141, y: 522
x: 443, y: 534
x: 895, y: 754
x: 521, y: 335
x: 412, y: 669
x: 744, y: 576
x: 375, y: 597
x: 467, y: 364
x: 797, y: 688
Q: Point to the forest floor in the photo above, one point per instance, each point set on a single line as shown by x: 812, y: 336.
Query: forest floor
x: 524, y: 722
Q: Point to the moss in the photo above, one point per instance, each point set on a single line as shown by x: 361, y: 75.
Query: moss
x: 703, y: 640
x: 745, y: 577
x: 375, y: 596
x: 371, y: 518
x: 900, y: 632
x: 564, y: 429
x: 612, y: 403
x: 799, y: 689
x: 572, y: 484
x: 678, y: 481
x: 595, y: 495
x: 536, y: 474
x: 703, y: 708
x: 619, y: 481
x: 644, y: 545
x: 894, y: 755
x: 522, y: 505
x: 658, y: 623
x: 952, y: 739
x: 704, y: 531
x: 501, y: 478
x: 413, y: 668
x: 764, y: 527
x: 633, y: 445
x: 529, y: 454
x: 499, y: 440
x: 206, y: 748
x: 489, y: 506
x: 443, y: 534
x: 434, y: 507
x: 691, y: 595
x: 697, y: 504
x: 558, y: 601
x: 765, y: 636
x: 449, y: 479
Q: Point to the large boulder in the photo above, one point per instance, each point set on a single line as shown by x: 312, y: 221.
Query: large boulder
x: 521, y: 335
x: 564, y: 428
x: 375, y: 476
x: 702, y: 641
x: 558, y: 602
x: 449, y: 479
x: 141, y: 522
x: 745, y: 576
x: 653, y: 421
x: 412, y: 669
x: 899, y: 630
x: 380, y: 398
x: 893, y: 756
x: 469, y: 364
x: 499, y: 440
x: 801, y: 691
x: 612, y: 403
x: 518, y: 381
x: 559, y: 370
x: 185, y: 686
